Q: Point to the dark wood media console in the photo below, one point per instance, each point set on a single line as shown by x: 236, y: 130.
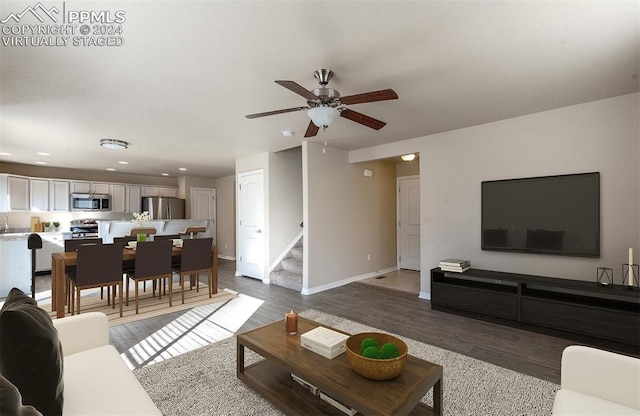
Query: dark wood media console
x: 610, y: 313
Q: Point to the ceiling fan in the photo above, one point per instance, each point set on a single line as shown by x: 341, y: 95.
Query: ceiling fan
x: 325, y: 104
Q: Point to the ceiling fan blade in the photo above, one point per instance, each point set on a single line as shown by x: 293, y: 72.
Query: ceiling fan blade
x: 298, y: 89
x: 270, y: 113
x: 369, y: 97
x: 312, y: 130
x: 362, y: 119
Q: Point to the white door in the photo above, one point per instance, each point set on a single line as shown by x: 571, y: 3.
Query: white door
x: 409, y: 223
x: 251, y: 224
x: 203, y: 207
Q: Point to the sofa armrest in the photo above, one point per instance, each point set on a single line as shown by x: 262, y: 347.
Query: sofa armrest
x: 601, y: 374
x: 82, y: 332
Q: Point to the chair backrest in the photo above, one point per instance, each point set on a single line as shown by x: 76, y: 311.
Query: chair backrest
x: 153, y: 258
x: 99, y: 263
x: 166, y: 237
x: 124, y: 240
x: 72, y: 245
x: 192, y: 232
x: 196, y: 254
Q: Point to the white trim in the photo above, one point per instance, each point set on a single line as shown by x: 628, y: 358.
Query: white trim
x: 338, y: 283
x: 222, y: 256
x: 286, y: 251
x: 424, y: 295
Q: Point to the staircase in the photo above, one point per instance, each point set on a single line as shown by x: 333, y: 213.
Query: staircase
x: 289, y: 272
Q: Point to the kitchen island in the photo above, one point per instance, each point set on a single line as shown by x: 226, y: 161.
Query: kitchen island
x: 107, y: 230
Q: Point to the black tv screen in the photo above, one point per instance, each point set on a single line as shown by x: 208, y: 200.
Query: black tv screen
x: 546, y: 215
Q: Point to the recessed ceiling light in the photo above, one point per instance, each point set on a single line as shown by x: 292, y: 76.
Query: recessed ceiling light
x: 114, y: 144
x: 122, y: 162
x: 111, y: 169
x: 5, y: 154
x: 44, y: 154
x: 287, y: 133
x: 165, y: 174
x: 182, y: 168
x: 41, y: 163
x: 409, y: 157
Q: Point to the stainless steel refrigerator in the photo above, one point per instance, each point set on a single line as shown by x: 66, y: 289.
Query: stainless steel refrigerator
x: 164, y: 208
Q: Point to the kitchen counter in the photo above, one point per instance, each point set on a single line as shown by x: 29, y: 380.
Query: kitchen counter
x: 15, y: 263
x: 109, y: 229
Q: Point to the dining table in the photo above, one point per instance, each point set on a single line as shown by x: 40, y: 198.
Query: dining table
x: 60, y: 262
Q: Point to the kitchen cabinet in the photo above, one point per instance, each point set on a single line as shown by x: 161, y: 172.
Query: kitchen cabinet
x: 51, y: 243
x: 39, y: 195
x: 160, y: 191
x: 80, y: 187
x: 133, y: 198
x: 100, y: 188
x: 15, y: 265
x: 60, y: 196
x: 118, y: 198
x: 18, y: 193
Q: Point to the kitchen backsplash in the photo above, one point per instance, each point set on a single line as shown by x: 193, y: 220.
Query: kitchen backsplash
x: 23, y: 219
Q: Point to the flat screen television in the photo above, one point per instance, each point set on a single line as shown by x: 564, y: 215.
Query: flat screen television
x: 546, y: 215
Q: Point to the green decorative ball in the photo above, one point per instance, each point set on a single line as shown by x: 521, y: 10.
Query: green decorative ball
x: 367, y: 342
x: 371, y: 352
x: 389, y: 350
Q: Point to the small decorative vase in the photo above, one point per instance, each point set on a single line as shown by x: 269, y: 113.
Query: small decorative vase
x: 142, y: 237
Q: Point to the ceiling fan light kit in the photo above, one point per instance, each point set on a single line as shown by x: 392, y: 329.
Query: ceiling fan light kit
x: 114, y: 144
x: 325, y: 104
x: 323, y: 116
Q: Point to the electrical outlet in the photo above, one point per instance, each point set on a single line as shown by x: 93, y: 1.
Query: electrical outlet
x: 369, y: 257
x: 225, y: 246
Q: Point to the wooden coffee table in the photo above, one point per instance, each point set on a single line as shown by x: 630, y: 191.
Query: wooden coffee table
x: 283, y: 355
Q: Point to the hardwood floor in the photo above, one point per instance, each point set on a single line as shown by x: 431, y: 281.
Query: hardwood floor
x: 394, y: 311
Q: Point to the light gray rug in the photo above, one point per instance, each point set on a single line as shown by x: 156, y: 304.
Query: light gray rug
x: 204, y: 382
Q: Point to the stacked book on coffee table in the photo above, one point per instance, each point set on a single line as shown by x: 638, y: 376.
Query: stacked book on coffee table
x: 455, y: 265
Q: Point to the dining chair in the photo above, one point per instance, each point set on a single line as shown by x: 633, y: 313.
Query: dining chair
x: 196, y: 258
x: 166, y: 237
x: 72, y: 245
x: 98, y: 265
x: 192, y: 232
x: 153, y: 262
x: 148, y: 231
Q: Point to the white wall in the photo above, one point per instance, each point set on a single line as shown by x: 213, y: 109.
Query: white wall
x: 347, y: 217
x: 226, y: 213
x: 285, y: 200
x: 601, y: 136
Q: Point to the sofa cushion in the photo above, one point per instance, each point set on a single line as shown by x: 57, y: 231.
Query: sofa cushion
x: 30, y: 353
x: 98, y: 382
x: 569, y: 402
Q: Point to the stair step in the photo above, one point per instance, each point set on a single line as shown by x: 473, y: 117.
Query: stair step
x: 296, y: 253
x: 286, y: 279
x: 292, y: 265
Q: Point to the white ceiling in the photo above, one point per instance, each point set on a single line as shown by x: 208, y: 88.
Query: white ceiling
x: 189, y: 71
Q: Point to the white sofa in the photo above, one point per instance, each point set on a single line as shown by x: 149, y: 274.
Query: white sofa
x: 597, y: 382
x: 96, y: 379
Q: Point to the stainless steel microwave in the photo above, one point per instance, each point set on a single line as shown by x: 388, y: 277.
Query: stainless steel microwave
x: 90, y: 202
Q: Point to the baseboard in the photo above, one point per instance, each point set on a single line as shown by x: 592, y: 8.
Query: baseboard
x: 424, y: 295
x: 338, y: 283
x: 222, y: 256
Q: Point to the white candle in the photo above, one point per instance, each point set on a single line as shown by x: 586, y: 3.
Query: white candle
x: 630, y: 267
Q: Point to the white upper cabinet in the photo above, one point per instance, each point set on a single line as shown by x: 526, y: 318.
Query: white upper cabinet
x: 168, y: 192
x: 150, y: 191
x: 100, y: 188
x: 18, y: 191
x: 39, y: 194
x: 60, y: 196
x: 80, y: 187
x: 118, y: 199
x: 133, y: 198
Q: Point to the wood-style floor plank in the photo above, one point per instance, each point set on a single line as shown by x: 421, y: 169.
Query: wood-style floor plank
x: 395, y: 311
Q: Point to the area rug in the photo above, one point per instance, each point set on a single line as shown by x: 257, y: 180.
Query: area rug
x: 149, y: 306
x: 204, y: 382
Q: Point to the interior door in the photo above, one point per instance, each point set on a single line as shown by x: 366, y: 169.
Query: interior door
x: 203, y: 207
x: 409, y: 223
x: 251, y: 224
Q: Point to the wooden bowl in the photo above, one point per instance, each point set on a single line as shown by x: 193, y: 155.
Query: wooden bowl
x: 376, y: 369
